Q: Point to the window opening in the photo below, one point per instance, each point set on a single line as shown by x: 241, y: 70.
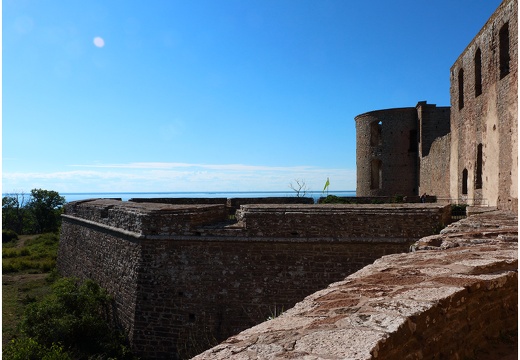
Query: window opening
x: 413, y: 141
x: 465, y: 182
x: 478, y: 175
x: 504, y: 50
x: 461, y: 88
x: 375, y: 133
x: 375, y: 179
x: 478, y: 73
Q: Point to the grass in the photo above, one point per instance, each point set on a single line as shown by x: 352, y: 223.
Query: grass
x: 30, y: 254
x: 27, y: 273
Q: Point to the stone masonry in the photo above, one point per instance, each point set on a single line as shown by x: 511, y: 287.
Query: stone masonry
x: 390, y: 144
x: 465, y: 153
x: 455, y: 297
x: 484, y: 114
x: 185, y: 277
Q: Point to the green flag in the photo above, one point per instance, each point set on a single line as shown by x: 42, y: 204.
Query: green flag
x: 326, y: 185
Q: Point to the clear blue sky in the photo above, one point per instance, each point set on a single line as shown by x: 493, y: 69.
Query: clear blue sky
x: 217, y: 95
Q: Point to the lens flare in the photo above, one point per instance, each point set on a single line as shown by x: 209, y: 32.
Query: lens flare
x: 99, y: 42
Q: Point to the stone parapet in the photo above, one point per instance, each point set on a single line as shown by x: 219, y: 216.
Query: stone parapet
x: 455, y: 300
x: 146, y: 218
x: 383, y: 221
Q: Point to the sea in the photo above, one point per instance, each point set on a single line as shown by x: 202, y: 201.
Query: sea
x: 200, y: 194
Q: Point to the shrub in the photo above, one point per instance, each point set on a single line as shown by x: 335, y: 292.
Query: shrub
x: 398, y: 198
x: 12, y: 253
x: 8, y: 236
x: 76, y: 316
x: 333, y: 199
x: 29, y: 349
x: 458, y: 211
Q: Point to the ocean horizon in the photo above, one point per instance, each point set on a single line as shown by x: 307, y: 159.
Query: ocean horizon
x: 125, y: 196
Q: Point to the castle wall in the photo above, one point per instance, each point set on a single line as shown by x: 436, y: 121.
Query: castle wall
x: 391, y: 147
x: 434, y: 122
x: 232, y: 204
x: 386, y: 152
x: 180, y: 289
x: 111, y: 257
x: 435, y: 170
x: 484, y: 103
x: 455, y: 297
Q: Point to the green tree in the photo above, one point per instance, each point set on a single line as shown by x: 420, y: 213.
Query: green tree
x: 76, y: 317
x: 14, y: 212
x: 46, y: 207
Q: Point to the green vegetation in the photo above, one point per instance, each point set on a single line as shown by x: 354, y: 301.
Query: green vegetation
x: 69, y: 323
x: 458, y: 211
x: 333, y: 199
x: 35, y: 213
x: 44, y: 316
x: 398, y: 198
x: 9, y: 236
x: 32, y: 254
x: 19, y: 290
x: 459, y: 208
x: 47, y: 317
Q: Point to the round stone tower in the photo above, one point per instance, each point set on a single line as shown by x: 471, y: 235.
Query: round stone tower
x: 386, y: 152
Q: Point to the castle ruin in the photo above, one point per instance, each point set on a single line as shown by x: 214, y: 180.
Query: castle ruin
x: 187, y: 274
x: 465, y: 153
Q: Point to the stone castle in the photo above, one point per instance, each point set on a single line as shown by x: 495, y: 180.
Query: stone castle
x: 186, y: 274
x: 467, y: 152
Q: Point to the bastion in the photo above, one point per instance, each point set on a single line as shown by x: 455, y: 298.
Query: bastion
x: 454, y: 297
x: 185, y: 277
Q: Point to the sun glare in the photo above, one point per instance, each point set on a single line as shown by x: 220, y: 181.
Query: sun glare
x: 99, y: 42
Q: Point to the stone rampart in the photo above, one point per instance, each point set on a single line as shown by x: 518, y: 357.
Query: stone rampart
x: 184, y: 277
x: 402, y: 221
x: 455, y: 297
x: 435, y: 169
x: 233, y: 204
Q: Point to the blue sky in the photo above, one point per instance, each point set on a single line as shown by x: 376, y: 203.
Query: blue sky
x: 212, y: 95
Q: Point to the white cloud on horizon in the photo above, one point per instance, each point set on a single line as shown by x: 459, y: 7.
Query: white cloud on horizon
x: 173, y: 165
x: 164, y: 176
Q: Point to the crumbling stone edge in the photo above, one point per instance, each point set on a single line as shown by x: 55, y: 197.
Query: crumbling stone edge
x: 449, y: 298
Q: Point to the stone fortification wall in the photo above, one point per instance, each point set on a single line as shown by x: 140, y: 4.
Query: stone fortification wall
x: 390, y: 145
x: 455, y: 297
x: 484, y: 115
x: 433, y: 122
x: 110, y: 256
x: 147, y: 218
x: 386, y: 158
x: 379, y: 199
x: 178, y: 289
x: 366, y: 221
x: 233, y: 204
x: 435, y: 169
x: 182, y: 201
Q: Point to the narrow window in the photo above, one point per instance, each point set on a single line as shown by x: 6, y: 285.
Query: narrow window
x: 413, y: 141
x: 478, y: 72
x: 461, y: 88
x: 503, y: 37
x: 375, y: 180
x: 465, y: 182
x: 478, y: 175
x: 375, y: 133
